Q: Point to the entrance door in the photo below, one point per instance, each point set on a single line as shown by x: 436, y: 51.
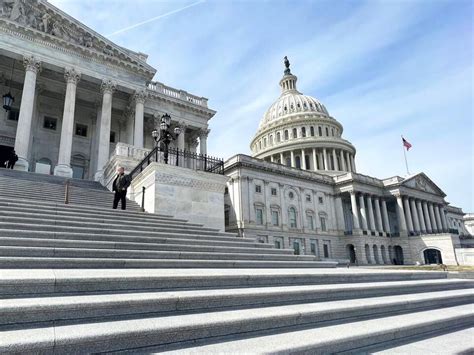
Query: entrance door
x: 398, y: 255
x: 432, y: 256
x: 351, y: 253
x: 296, y: 247
x: 5, y: 152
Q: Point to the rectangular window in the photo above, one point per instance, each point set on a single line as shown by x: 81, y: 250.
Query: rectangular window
x: 258, y: 188
x: 13, y: 115
x: 259, y: 215
x: 320, y: 199
x: 81, y: 130
x: 274, y: 191
x: 112, y: 137
x: 50, y: 123
x: 314, y: 247
x: 308, y: 198
x: 323, y: 223
x: 310, y: 221
x: 275, y: 221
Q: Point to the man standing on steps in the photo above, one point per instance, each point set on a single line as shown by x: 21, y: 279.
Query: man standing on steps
x: 120, y: 186
x: 12, y: 160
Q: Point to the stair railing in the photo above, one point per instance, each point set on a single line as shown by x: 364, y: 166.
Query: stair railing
x: 66, y: 192
x: 143, y: 199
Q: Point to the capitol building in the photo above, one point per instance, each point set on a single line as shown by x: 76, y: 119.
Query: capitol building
x: 78, y: 101
x: 300, y: 189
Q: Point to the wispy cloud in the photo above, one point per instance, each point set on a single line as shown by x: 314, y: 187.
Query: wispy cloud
x: 128, y: 28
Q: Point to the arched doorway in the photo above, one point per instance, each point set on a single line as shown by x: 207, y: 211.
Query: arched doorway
x: 376, y: 254
x: 351, y: 255
x: 398, y: 257
x: 383, y: 251
x: 432, y: 256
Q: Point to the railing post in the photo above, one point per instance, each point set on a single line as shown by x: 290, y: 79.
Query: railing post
x: 143, y: 199
x: 66, y: 193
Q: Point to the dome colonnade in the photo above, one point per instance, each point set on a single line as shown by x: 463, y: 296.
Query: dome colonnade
x: 297, y: 131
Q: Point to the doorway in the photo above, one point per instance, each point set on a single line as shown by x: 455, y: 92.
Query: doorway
x: 432, y: 256
x: 5, y: 152
x: 351, y: 253
x: 398, y: 259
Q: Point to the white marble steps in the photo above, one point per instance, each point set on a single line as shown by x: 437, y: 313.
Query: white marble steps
x: 40, y: 309
x: 35, y: 282
x: 351, y: 337
x: 134, y: 333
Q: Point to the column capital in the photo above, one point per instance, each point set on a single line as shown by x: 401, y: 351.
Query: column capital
x: 203, y: 133
x: 108, y: 86
x: 32, y: 64
x: 71, y: 75
x: 140, y: 96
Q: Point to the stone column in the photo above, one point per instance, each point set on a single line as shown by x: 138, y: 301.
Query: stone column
x: 315, y: 161
x: 339, y: 213
x: 363, y: 213
x: 107, y: 88
x: 434, y: 226
x: 371, y: 214
x: 343, y: 163
x: 293, y: 165
x: 203, y: 133
x: 427, y: 217
x: 271, y: 158
x: 378, y: 215
x: 349, y: 167
x: 303, y: 160
x: 438, y: 219
x: 282, y: 159
x: 334, y: 158
x: 23, y: 131
x: 139, y: 98
x: 182, y: 135
x: 325, y: 159
x: 416, y: 222
x: 355, y: 211
x: 443, y: 218
x: 67, y: 129
x: 408, y: 215
x: 385, y: 217
x: 421, y: 217
x: 353, y: 163
x: 402, y: 224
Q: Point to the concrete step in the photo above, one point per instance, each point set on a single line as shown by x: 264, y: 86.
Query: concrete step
x: 75, y: 252
x: 58, y: 226
x: 157, y: 238
x: 14, y: 262
x: 36, y: 282
x: 133, y: 333
x: 351, y: 337
x: 185, y: 246
x: 41, y: 309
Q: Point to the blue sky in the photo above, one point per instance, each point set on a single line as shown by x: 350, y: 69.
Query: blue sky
x: 382, y: 68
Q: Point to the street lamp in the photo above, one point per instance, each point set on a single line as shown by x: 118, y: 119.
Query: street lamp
x: 164, y: 134
x: 8, y: 98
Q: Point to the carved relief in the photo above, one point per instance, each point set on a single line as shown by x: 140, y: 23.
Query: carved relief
x: 420, y: 183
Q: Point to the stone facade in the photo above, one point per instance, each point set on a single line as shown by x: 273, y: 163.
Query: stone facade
x: 77, y: 94
x: 301, y: 190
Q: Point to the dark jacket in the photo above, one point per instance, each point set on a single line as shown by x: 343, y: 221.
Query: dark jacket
x: 121, y: 183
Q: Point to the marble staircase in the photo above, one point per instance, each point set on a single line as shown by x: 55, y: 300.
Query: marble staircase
x: 83, y: 278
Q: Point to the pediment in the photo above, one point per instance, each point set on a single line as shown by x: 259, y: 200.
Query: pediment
x: 56, y: 26
x: 423, y: 183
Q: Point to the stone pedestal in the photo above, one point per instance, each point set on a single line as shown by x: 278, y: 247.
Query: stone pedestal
x: 63, y: 170
x: 182, y: 193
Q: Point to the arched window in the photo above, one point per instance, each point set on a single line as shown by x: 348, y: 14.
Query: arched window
x: 278, y: 137
x: 286, y: 135
x: 312, y: 131
x: 264, y: 142
x: 271, y: 139
x: 320, y: 131
x: 303, y: 131
x: 327, y: 132
x: 288, y: 162
x: 295, y: 133
x: 307, y: 161
x: 332, y: 131
x: 292, y: 217
x: 298, y: 162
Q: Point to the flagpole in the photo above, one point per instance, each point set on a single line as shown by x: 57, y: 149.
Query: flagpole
x: 405, y: 155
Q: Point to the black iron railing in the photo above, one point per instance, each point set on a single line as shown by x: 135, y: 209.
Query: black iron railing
x: 181, y: 158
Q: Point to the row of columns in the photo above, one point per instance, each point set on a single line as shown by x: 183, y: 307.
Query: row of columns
x: 320, y: 159
x: 72, y: 77
x: 365, y: 218
x: 420, y: 216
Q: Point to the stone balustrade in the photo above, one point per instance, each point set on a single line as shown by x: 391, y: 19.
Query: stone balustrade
x: 161, y: 88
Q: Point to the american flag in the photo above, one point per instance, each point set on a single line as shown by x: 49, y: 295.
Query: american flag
x: 406, y: 144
